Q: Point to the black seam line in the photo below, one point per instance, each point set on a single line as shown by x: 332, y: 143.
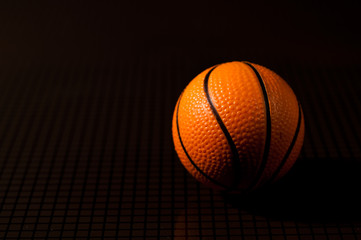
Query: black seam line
x: 190, y: 159
x: 235, y: 157
x: 268, y: 128
x: 290, y: 148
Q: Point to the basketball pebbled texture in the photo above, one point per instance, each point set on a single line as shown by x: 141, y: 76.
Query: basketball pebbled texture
x: 237, y: 126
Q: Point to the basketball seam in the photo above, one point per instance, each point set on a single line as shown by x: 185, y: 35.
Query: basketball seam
x: 232, y: 145
x: 290, y: 148
x: 268, y: 128
x: 189, y: 158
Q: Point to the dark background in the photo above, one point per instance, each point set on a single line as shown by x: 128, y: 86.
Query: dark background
x: 87, y: 92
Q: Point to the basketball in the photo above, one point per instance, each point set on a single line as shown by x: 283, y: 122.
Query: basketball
x: 238, y: 126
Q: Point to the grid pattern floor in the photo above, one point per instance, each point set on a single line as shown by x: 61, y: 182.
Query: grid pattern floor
x: 86, y: 151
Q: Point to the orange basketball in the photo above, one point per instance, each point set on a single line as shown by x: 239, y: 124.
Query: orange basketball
x: 238, y: 126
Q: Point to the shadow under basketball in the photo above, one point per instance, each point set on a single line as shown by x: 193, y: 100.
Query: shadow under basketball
x: 318, y: 190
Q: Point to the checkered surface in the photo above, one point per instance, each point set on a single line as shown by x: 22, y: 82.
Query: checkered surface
x: 86, y: 152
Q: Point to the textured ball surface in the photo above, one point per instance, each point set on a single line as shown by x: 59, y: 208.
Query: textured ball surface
x: 237, y: 126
